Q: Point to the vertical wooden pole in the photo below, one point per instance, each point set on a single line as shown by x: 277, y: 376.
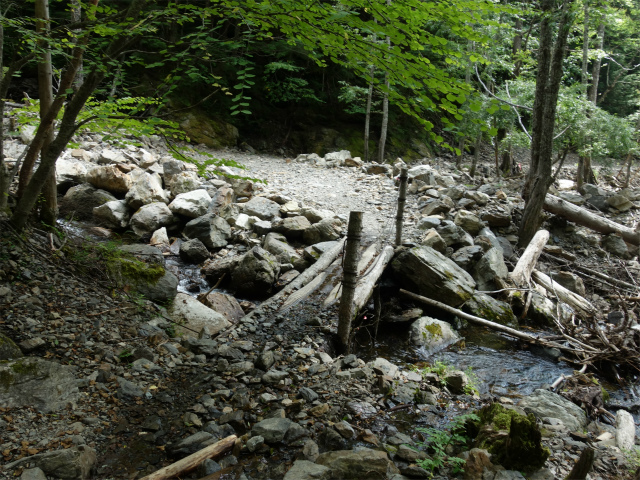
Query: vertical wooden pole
x: 377, y: 304
x: 402, y: 199
x: 349, y: 278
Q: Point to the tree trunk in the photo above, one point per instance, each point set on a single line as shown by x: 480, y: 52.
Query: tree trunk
x: 595, y: 73
x: 76, y: 17
x: 49, y: 207
x: 517, y: 47
x: 548, y: 79
x: 4, y: 171
x: 385, y: 109
x: 585, y: 48
x: 476, y: 156
x: 349, y: 279
x: 367, y: 117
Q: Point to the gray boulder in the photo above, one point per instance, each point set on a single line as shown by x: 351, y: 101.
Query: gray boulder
x: 188, y: 312
x: 144, y: 253
x: 364, y: 464
x: 182, y: 182
x: 625, y: 430
x: 210, y: 229
x: 80, y: 201
x: 545, y: 404
x: 314, y: 215
x: 427, y: 272
x: 325, y: 230
x: 113, y: 214
x: 433, y: 239
x: 145, y: 189
x: 69, y: 173
x: 490, y: 272
x: 262, y: 208
x: 273, y: 430
x: 110, y: 178
x: 613, y: 243
x: 453, y: 235
x: 191, y: 204
x: 161, y: 291
x: 8, y: 348
x: 255, y: 273
x: 277, y: 245
x: 467, y: 257
x: 224, y: 304
x: 294, y: 227
x: 75, y: 463
x: 151, y: 217
x: 570, y: 281
x: 193, y: 251
x: 35, y: 382
x: 306, y: 470
x: 424, y: 173
x: 469, y: 222
x: 434, y: 335
x: 484, y: 306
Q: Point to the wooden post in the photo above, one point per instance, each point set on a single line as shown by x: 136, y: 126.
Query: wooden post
x: 583, y: 465
x: 349, y: 278
x: 402, y: 198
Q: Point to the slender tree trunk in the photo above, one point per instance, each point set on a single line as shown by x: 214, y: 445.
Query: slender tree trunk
x: 4, y: 171
x: 49, y: 208
x: 517, y: 47
x: 367, y: 117
x: 548, y: 77
x: 595, y: 74
x: 76, y: 17
x: 585, y: 48
x: 385, y: 110
x: 476, y: 156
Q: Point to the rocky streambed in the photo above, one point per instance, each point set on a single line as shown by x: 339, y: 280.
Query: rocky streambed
x: 114, y: 387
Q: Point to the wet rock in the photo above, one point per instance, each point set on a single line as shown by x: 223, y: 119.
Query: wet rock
x: 194, y: 251
x: 427, y: 272
x: 210, y: 229
x: 255, y: 273
x: 456, y: 381
x: 345, y: 430
x: 434, y: 335
x: 625, y: 430
x: 81, y: 200
x: 110, y: 178
x: 189, y: 312
x: 262, y: 208
x: 151, y: 217
x: 272, y: 430
x: 543, y: 403
x: 114, y: 214
x: 145, y: 189
x: 191, y: 204
x: 8, y: 349
x: 364, y: 464
x: 33, y: 381
x: 570, y: 281
x: 483, y: 306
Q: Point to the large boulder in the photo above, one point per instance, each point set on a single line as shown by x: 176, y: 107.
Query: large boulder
x: 110, y: 178
x: 227, y: 305
x: 453, y: 235
x: 145, y: 189
x: 222, y: 198
x: 191, y: 204
x: 294, y: 227
x: 160, y: 291
x: 210, y: 229
x: 182, y: 182
x: 79, y: 201
x: 191, y: 316
x: 262, y: 208
x: 546, y: 404
x: 427, y: 272
x: 150, y: 217
x: 484, y: 306
x: 193, y: 251
x: 273, y: 430
x: 8, y: 348
x: 364, y: 464
x: 490, y: 272
x: 36, y: 382
x: 70, y: 172
x: 277, y: 245
x: 114, y: 214
x: 469, y: 222
x: 434, y: 335
x: 325, y: 230
x: 255, y: 274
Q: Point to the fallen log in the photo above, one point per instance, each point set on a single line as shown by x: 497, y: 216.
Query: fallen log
x: 512, y: 332
x: 365, y: 285
x: 192, y: 461
x: 589, y: 219
x: 368, y: 255
x: 522, y: 271
x: 308, y: 289
x: 301, y: 280
x: 572, y: 299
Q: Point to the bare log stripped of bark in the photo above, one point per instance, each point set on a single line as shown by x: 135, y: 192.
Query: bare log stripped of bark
x: 572, y: 299
x: 522, y: 272
x: 366, y: 258
x: 308, y: 289
x: 192, y: 461
x: 365, y: 285
x: 588, y: 219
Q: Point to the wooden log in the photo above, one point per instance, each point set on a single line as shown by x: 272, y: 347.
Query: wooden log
x: 522, y: 271
x: 366, y: 284
x: 589, y: 219
x: 301, y: 280
x: 572, y: 299
x: 192, y: 461
x: 350, y: 276
x: 402, y: 199
x: 512, y: 332
x: 308, y: 289
x: 583, y: 465
x: 368, y: 255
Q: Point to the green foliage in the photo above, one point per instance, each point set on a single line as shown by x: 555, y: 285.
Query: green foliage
x: 436, y: 441
x: 632, y: 458
x: 283, y: 85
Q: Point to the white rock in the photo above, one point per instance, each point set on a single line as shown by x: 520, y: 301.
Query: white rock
x: 108, y: 157
x: 191, y: 204
x: 145, y: 189
x: 186, y: 311
x: 625, y: 430
x: 151, y: 217
x: 114, y: 214
x: 27, y: 133
x: 160, y: 238
x: 70, y: 172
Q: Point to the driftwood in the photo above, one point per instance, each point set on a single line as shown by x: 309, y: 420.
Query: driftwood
x: 366, y: 258
x: 192, y: 461
x: 572, y: 299
x: 522, y: 272
x: 589, y: 219
x: 301, y: 280
x: 308, y: 289
x: 512, y: 332
x: 365, y: 285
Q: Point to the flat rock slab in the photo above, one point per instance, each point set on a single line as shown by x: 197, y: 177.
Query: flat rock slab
x: 364, y: 464
x: 33, y: 381
x: 545, y: 404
